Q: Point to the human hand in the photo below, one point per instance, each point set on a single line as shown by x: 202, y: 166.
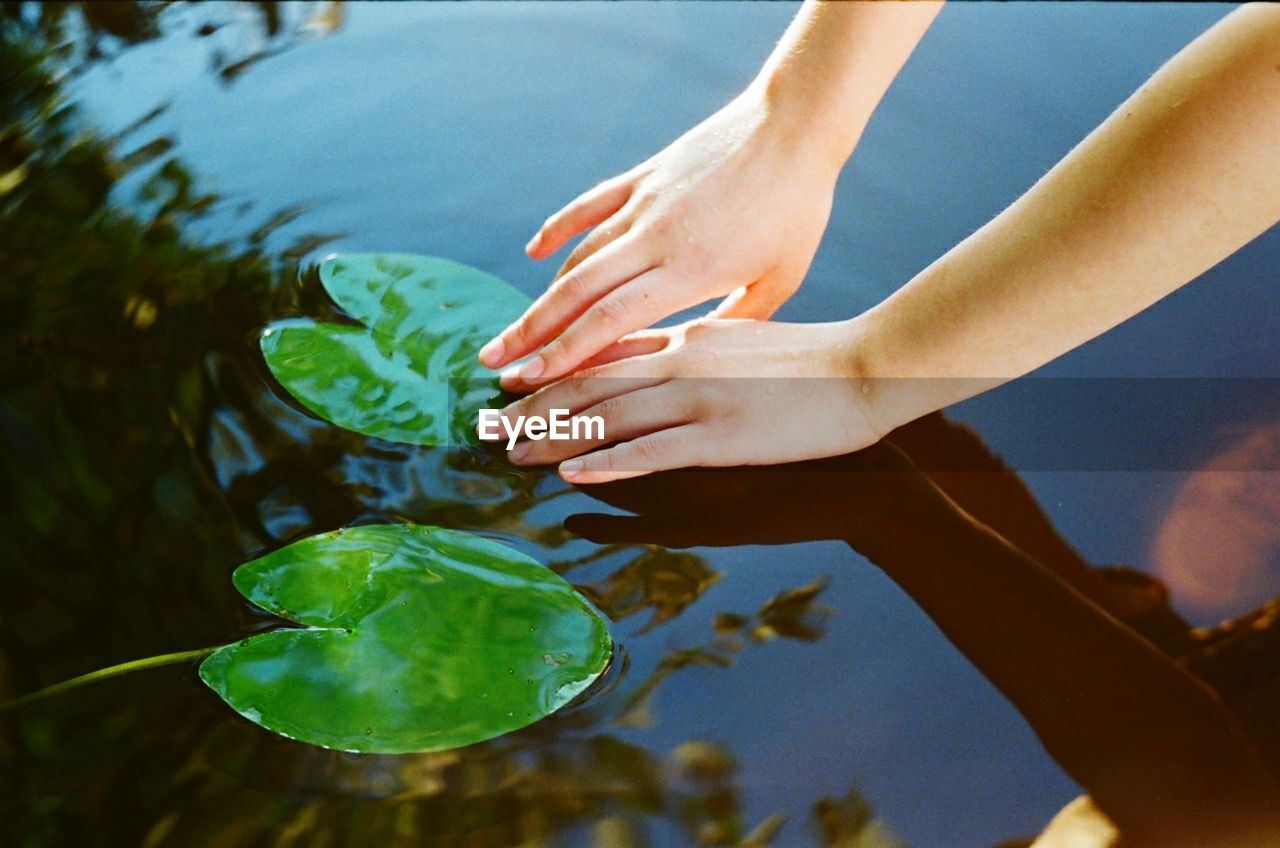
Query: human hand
x: 712, y: 392
x: 736, y: 206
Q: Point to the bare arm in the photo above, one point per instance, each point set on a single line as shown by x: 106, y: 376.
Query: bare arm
x: 736, y: 206
x: 1183, y: 174
x: 835, y: 63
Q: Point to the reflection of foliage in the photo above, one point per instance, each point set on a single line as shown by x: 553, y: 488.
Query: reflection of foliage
x: 145, y: 455
x: 657, y: 579
x: 846, y: 822
x: 86, y: 31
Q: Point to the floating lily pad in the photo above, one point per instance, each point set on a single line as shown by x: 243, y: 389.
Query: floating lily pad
x: 416, y: 639
x: 410, y: 374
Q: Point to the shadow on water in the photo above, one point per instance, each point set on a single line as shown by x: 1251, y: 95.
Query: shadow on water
x: 1095, y: 660
x: 145, y: 454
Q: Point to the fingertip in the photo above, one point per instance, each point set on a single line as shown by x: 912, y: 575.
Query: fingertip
x: 534, y: 246
x: 520, y: 453
x: 532, y: 369
x: 493, y: 353
x: 509, y: 380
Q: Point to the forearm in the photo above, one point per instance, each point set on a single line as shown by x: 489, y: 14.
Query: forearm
x: 1147, y: 740
x: 833, y: 66
x: 1183, y: 174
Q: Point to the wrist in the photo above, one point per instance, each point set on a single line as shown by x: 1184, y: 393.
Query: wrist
x: 856, y: 363
x: 797, y: 120
x: 889, y: 392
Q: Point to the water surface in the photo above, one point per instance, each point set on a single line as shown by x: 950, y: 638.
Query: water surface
x: 177, y: 180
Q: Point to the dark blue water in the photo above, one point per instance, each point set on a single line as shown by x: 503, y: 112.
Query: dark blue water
x: 453, y: 130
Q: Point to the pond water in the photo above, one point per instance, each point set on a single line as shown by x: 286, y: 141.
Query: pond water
x: 164, y: 176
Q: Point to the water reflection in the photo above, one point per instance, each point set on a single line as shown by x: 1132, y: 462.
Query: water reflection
x: 144, y: 455
x: 1163, y: 759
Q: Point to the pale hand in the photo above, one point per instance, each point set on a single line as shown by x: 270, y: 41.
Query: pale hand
x: 736, y: 207
x: 708, y: 393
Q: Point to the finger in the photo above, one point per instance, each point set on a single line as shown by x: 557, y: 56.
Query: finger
x: 623, y: 417
x: 757, y: 301
x: 610, y: 231
x: 643, y: 301
x: 636, y: 344
x: 587, y: 388
x: 678, y: 447
x: 566, y: 299
x: 586, y: 210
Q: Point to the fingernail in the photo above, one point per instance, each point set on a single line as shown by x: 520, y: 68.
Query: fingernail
x: 533, y: 242
x: 570, y: 468
x: 509, y: 378
x: 491, y: 353
x: 519, y: 452
x: 531, y: 369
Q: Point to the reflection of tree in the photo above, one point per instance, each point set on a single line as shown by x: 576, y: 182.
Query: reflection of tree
x: 145, y: 455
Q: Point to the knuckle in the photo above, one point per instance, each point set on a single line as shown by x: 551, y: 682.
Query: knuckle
x: 646, y: 451
x: 614, y: 310
x: 698, y: 406
x: 554, y: 353
x: 577, y: 388
x: 605, y: 461
x: 661, y: 226
x: 611, y: 409
x: 569, y: 285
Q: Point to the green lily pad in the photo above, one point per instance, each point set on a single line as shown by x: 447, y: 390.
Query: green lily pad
x: 410, y: 374
x: 416, y: 639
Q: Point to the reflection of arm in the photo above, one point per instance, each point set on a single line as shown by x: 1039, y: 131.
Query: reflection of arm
x: 1181, y: 175
x: 1154, y: 748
